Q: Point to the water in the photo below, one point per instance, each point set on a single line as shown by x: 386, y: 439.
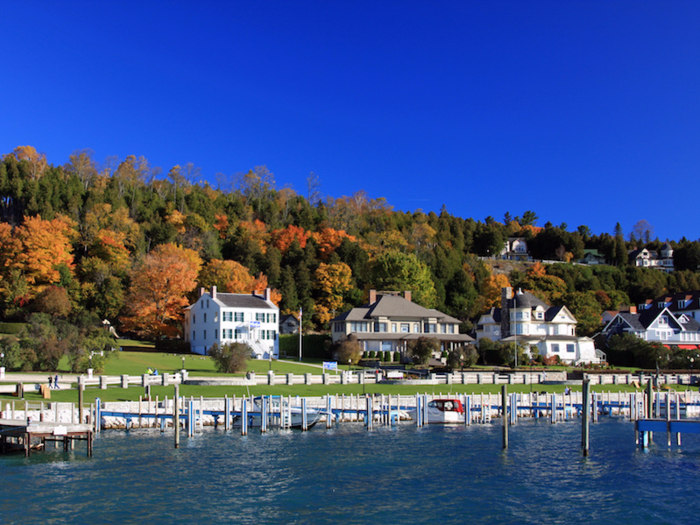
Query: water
x: 349, y: 475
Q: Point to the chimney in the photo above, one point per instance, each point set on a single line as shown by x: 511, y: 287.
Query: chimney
x: 407, y: 295
x: 633, y: 309
x: 202, y: 291
x: 372, y: 296
x: 506, y: 296
x: 267, y: 294
x: 213, y: 292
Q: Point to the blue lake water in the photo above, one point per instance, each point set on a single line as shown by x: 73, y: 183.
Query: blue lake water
x: 349, y: 475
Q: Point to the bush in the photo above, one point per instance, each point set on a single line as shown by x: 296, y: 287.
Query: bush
x: 230, y: 357
x: 422, y: 349
x: 348, y: 351
x: 552, y: 360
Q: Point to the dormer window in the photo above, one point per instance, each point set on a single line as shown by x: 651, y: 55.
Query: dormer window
x: 663, y: 320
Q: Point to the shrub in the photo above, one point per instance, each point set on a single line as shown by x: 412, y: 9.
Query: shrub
x: 230, y: 357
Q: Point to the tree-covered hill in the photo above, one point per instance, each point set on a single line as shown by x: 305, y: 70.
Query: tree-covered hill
x: 130, y: 243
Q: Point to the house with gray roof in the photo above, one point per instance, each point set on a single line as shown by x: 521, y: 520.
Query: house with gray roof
x: 232, y: 317
x: 645, y: 258
x: 525, y: 319
x: 659, y: 325
x: 388, y: 321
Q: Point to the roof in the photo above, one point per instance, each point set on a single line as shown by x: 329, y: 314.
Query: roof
x: 241, y: 300
x: 394, y: 307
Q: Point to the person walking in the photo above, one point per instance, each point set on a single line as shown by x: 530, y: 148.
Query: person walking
x: 55, y: 382
x: 50, y: 382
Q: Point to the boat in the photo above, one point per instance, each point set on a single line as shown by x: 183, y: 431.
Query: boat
x: 442, y: 412
x: 294, y: 413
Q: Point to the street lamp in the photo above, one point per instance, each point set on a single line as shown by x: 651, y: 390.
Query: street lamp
x: 183, y: 362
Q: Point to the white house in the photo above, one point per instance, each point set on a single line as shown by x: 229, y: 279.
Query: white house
x: 231, y: 317
x: 662, y: 260
x: 389, y: 321
x: 515, y: 248
x: 657, y: 325
x: 525, y: 319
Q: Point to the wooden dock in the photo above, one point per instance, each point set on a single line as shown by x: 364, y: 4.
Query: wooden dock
x: 18, y: 434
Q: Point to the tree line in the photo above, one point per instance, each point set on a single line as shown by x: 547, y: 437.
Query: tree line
x: 125, y: 241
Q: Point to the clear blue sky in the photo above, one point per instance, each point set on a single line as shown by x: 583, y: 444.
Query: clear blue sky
x: 587, y: 112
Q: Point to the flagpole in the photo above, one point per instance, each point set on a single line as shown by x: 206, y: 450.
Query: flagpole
x: 300, y: 333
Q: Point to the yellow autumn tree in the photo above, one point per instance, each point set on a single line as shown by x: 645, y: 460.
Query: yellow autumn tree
x: 159, y: 285
x: 332, y: 280
x: 45, y: 245
x: 491, y: 289
x: 233, y: 277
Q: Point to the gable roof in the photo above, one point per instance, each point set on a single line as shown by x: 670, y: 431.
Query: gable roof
x: 241, y: 300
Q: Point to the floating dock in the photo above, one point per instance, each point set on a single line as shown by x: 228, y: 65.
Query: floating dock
x: 17, y: 435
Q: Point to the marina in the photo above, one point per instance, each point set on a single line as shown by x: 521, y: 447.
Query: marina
x: 26, y: 422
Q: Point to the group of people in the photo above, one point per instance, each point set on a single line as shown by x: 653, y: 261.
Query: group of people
x: 53, y: 382
x: 152, y: 372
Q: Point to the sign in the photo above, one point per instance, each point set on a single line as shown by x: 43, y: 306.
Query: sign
x: 255, y: 324
x: 330, y: 365
x: 60, y: 431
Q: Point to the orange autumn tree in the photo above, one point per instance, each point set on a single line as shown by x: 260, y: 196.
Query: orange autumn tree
x: 233, y: 277
x: 332, y: 280
x: 159, y: 285
x: 328, y: 240
x: 283, y: 239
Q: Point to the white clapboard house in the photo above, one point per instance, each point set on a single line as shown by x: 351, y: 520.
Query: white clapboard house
x: 233, y: 317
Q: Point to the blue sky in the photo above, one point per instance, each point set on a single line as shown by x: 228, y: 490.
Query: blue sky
x: 586, y: 112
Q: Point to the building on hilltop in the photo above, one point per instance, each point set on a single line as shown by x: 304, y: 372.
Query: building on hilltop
x: 515, y: 249
x: 388, y: 321
x: 223, y: 318
x: 526, y: 319
x: 645, y: 258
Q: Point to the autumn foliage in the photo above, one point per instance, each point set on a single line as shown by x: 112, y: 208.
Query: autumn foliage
x: 158, y: 290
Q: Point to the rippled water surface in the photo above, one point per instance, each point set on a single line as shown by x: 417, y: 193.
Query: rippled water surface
x: 349, y: 475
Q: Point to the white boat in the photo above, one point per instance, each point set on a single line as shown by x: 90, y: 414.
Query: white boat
x: 291, y: 416
x: 442, y: 412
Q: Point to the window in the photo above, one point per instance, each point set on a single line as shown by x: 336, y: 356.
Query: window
x: 663, y: 320
x: 239, y: 333
x: 405, y: 328
x: 238, y: 317
x: 207, y: 303
x: 452, y: 329
x: 539, y: 315
x: 357, y: 326
x: 338, y: 327
x: 380, y: 327
x: 205, y: 335
x: 194, y: 335
x: 205, y: 320
x: 260, y: 317
x: 555, y: 348
x: 216, y: 317
x: 271, y: 318
x: 194, y: 318
x: 393, y: 327
x: 216, y: 333
x: 570, y: 349
x: 416, y: 327
x: 429, y: 328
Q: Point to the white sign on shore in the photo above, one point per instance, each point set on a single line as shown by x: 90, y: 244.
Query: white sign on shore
x: 330, y: 365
